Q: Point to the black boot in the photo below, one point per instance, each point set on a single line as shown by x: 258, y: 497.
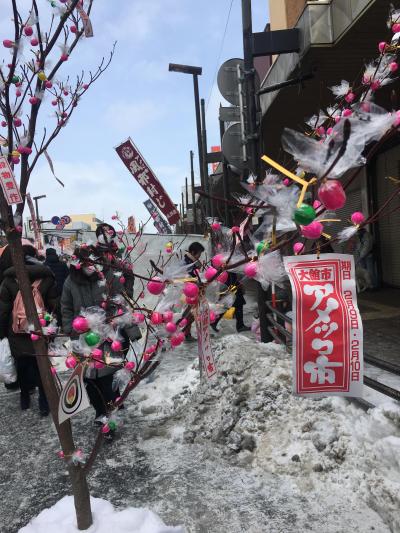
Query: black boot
x: 43, y: 405
x: 25, y: 401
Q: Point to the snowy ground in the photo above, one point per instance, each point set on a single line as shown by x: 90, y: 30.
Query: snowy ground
x: 237, y: 454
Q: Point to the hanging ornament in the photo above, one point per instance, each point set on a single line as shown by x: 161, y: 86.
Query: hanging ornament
x: 80, y: 324
x: 298, y: 247
x: 313, y: 230
x: 190, y: 289
x: 262, y: 247
x: 357, y: 218
x: 332, y: 195
x: 304, y: 214
x: 92, y: 338
x: 156, y: 286
x: 250, y: 269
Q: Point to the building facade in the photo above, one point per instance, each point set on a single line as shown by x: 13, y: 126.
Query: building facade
x: 337, y: 37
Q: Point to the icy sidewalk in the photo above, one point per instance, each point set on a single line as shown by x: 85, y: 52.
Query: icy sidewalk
x: 238, y: 454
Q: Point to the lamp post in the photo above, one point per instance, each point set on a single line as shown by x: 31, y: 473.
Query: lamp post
x: 195, y: 72
x: 36, y: 199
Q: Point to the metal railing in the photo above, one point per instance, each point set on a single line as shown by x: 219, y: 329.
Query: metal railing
x: 282, y: 335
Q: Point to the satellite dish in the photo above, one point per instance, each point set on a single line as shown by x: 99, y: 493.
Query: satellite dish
x: 232, y: 147
x: 228, y: 83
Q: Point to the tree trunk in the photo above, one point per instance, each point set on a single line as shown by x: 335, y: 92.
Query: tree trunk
x: 77, y: 475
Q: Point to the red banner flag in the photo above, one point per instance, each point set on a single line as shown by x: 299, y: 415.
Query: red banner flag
x: 8, y: 183
x: 203, y: 338
x: 141, y: 171
x: 327, y: 326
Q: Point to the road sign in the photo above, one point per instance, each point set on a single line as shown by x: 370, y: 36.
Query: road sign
x: 229, y: 114
x: 232, y: 146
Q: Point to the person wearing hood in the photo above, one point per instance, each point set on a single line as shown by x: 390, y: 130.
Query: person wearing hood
x: 82, y: 290
x: 21, y: 346
x: 59, y: 269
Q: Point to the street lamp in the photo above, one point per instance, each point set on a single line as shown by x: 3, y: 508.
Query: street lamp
x: 195, y: 72
x: 36, y: 198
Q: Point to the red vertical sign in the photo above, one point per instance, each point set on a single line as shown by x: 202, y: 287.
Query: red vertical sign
x: 141, y: 171
x: 327, y: 327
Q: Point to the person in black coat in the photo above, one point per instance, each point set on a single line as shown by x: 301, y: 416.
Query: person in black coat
x: 192, y: 259
x: 59, y: 269
x: 20, y: 343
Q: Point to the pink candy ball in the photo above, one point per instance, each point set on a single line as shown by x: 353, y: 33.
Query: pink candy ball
x: 210, y: 273
x: 53, y: 370
x: 183, y: 323
x: 80, y: 324
x: 138, y: 318
x: 393, y: 67
x: 235, y: 229
x: 156, y: 318
x: 332, y: 195
x: 191, y: 300
x: 130, y: 365
x: 42, y: 321
x: 34, y: 41
x: 286, y: 182
x: 382, y: 47
x: 396, y: 27
x: 218, y: 260
x: 213, y: 317
x: 298, y: 247
x: 375, y: 85
x: 223, y: 277
x: 155, y: 286
x: 33, y: 100
x: 116, y: 346
x: 98, y: 365
x: 151, y: 349
x: 97, y: 354
x: 250, y: 269
x: 122, y: 280
x: 316, y: 204
x: 313, y: 230
x: 7, y: 43
x: 168, y: 316
x: 73, y: 29
x: 34, y: 337
x: 171, y: 327
x: 347, y: 113
x: 357, y: 217
x: 216, y: 226
x: 28, y: 31
x: 190, y: 289
x: 349, y: 97
x: 105, y: 429
x: 175, y: 340
x: 71, y: 362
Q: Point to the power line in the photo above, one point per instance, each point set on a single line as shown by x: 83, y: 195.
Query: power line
x: 220, y: 54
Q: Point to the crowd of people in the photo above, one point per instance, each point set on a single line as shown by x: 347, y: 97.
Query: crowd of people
x: 63, y: 291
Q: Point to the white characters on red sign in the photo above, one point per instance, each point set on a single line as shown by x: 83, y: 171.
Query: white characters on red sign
x: 161, y: 204
x: 321, y: 370
x: 127, y: 152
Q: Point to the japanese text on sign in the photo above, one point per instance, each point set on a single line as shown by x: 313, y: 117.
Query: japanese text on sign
x: 327, y: 328
x: 140, y: 170
x: 8, y: 183
x: 203, y: 338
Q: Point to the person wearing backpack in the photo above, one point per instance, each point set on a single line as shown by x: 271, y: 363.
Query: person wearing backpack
x: 14, y: 324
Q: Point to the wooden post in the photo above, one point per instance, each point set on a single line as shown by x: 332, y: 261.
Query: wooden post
x: 77, y: 476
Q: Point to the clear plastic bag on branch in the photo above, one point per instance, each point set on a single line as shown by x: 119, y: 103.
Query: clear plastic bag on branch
x: 271, y: 270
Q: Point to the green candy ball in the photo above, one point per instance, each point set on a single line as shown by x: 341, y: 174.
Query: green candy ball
x: 262, y: 247
x: 15, y: 79
x: 47, y: 317
x: 112, y: 425
x: 92, y: 338
x: 304, y: 215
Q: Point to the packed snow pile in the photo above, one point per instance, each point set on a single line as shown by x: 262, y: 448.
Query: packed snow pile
x: 250, y: 416
x: 61, y: 519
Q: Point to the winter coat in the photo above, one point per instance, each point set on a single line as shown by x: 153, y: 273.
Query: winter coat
x: 59, y: 269
x: 81, y: 292
x: 20, y: 343
x: 193, y: 264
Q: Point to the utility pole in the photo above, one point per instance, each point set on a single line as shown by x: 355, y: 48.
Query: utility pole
x: 187, y: 200
x: 36, y: 200
x: 225, y: 179
x: 209, y: 203
x: 193, y: 193
x: 253, y: 141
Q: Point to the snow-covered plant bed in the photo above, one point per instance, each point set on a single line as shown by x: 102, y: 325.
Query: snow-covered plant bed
x: 61, y: 519
x: 322, y: 446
